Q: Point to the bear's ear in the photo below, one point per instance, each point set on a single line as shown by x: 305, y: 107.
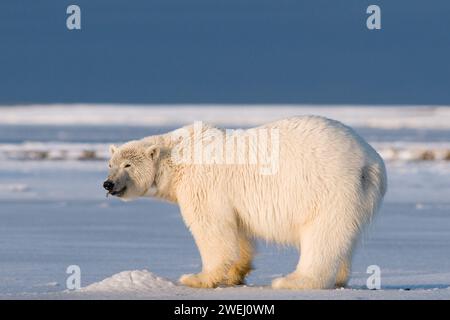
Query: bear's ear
x: 112, y: 149
x: 153, y: 152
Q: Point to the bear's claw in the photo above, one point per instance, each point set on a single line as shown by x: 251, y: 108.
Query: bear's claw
x: 297, y: 282
x: 197, y: 281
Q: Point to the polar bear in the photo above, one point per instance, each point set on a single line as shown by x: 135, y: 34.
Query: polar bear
x: 323, y: 185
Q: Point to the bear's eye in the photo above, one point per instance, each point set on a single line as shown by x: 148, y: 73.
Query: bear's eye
x: 127, y: 165
x: 109, y: 165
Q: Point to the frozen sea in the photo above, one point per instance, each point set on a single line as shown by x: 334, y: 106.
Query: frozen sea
x: 54, y: 212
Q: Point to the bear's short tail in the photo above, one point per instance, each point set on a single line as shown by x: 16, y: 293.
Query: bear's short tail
x: 374, y: 182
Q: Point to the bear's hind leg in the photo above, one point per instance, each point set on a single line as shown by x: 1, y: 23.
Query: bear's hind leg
x: 324, y: 244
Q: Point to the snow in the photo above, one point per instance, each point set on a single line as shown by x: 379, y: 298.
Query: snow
x: 13, y: 188
x: 138, y: 280
x: 132, y: 283
x: 239, y: 115
x: 64, y: 219
x: 54, y: 213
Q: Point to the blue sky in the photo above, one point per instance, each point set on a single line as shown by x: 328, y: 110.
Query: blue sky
x: 225, y: 51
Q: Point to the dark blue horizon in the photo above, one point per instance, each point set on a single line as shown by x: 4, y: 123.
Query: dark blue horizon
x: 225, y: 51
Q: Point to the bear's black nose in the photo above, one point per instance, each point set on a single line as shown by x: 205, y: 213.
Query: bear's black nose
x: 108, y: 185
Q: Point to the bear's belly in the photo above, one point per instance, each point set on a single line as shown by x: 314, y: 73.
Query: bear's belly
x: 271, y: 225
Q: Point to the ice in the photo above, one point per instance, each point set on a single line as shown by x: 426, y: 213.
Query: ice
x: 4, y: 188
x: 387, y: 117
x: 54, y: 212
x: 65, y: 219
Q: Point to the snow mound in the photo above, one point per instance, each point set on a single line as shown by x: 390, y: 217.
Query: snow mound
x: 130, y: 281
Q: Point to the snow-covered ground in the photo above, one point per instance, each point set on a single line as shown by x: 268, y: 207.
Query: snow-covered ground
x: 54, y: 213
x: 388, y: 117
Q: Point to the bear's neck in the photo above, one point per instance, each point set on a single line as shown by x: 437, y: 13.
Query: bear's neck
x: 163, y: 187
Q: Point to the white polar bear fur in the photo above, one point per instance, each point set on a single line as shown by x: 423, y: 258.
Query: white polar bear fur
x: 328, y: 186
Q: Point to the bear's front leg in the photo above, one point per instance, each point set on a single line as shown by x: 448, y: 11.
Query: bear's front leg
x: 240, y: 269
x: 217, y: 240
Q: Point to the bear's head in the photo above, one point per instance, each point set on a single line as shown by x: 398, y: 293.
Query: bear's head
x: 132, y: 170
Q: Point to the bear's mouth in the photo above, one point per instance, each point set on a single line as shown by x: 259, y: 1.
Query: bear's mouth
x: 119, y: 193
